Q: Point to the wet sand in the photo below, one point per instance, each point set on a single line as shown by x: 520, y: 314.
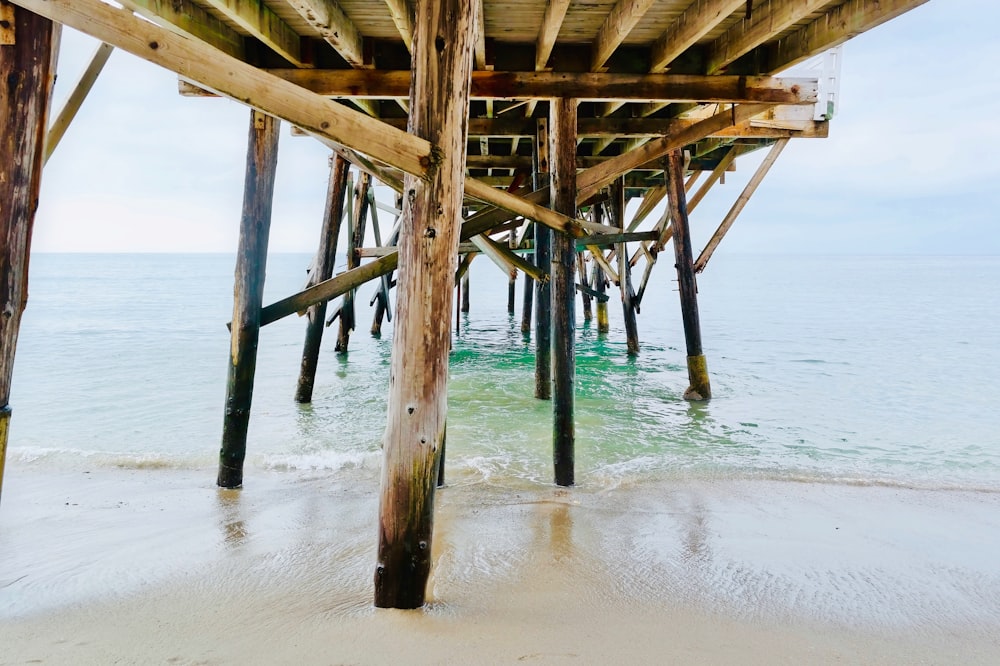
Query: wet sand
x: 151, y: 566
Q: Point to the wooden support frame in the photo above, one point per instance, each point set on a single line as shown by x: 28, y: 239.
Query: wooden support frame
x: 75, y: 100
x: 260, y: 21
x: 209, y: 68
x: 27, y: 66
x: 589, y: 86
x: 251, y: 261
x: 322, y: 270
x: 187, y: 18
x: 772, y: 18
x: 334, y: 27
x: 562, y: 155
x: 737, y: 207
x: 625, y: 15
x: 697, y: 21
x: 418, y: 402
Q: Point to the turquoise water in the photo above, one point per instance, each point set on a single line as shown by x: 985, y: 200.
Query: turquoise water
x: 858, y: 370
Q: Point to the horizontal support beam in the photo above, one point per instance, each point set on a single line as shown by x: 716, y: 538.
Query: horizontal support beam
x: 486, y: 84
x: 227, y: 76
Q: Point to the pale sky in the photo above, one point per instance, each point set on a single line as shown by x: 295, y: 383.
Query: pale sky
x: 910, y: 166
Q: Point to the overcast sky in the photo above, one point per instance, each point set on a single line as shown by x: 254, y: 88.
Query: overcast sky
x: 910, y: 167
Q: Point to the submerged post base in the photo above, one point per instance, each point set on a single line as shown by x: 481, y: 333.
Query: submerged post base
x: 699, y: 388
x: 4, y: 430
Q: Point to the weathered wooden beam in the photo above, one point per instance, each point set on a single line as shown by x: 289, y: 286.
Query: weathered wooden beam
x: 555, y: 12
x: 562, y: 173
x: 402, y: 15
x: 251, y: 261
x: 600, y: 282
x: 322, y: 270
x: 593, y: 179
x: 543, y: 260
x: 260, y: 21
x: 187, y: 18
x: 489, y: 84
x: 697, y: 21
x: 428, y: 240
x: 75, y: 100
x: 479, y: 47
x: 699, y: 387
x: 334, y: 27
x: 765, y: 22
x: 506, y: 259
x: 617, y: 208
x: 27, y: 68
x: 738, y: 206
x: 833, y: 29
x: 625, y: 15
x: 212, y: 69
x: 713, y: 178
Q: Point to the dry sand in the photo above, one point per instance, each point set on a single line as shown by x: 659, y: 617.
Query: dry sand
x: 156, y: 566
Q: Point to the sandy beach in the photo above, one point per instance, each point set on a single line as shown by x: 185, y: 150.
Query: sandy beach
x: 149, y: 566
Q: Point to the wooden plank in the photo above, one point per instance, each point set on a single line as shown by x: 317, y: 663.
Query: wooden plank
x: 555, y: 12
x: 334, y: 27
x: 402, y: 16
x: 251, y: 261
x: 428, y: 241
x: 75, y: 100
x: 257, y: 19
x: 594, y: 178
x: 187, y: 18
x: 27, y: 68
x: 505, y: 259
x: 697, y: 21
x: 224, y: 75
x: 765, y: 22
x: 479, y: 50
x: 490, y: 84
x: 616, y: 28
x: 738, y: 206
x: 833, y: 29
x: 326, y: 255
x: 562, y: 169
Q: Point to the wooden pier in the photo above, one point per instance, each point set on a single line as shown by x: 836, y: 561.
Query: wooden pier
x: 519, y: 130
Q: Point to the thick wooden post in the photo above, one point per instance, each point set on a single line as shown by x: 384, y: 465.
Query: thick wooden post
x: 562, y: 138
x: 322, y: 270
x: 355, y: 242
x: 465, y: 292
x: 428, y: 250
x: 699, y: 387
x: 625, y: 271
x: 248, y: 292
x: 27, y: 72
x: 543, y: 260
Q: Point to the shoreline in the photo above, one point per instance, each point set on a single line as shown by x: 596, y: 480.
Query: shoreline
x: 148, y: 566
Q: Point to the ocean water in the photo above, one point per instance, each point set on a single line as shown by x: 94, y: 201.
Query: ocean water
x: 849, y: 370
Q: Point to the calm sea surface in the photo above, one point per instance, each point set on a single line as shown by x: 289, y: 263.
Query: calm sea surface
x: 864, y: 370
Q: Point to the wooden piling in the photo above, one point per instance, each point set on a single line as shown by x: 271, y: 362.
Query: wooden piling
x: 581, y: 267
x: 562, y: 153
x: 248, y: 292
x: 528, y: 297
x: 512, y: 280
x: 27, y: 69
x: 543, y: 260
x: 699, y: 387
x: 382, y: 307
x: 600, y: 282
x: 355, y: 241
x: 428, y: 247
x: 465, y: 292
x: 322, y: 270
x: 617, y: 203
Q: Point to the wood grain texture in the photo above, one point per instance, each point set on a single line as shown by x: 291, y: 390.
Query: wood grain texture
x: 428, y: 243
x: 28, y: 71
x: 248, y: 292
